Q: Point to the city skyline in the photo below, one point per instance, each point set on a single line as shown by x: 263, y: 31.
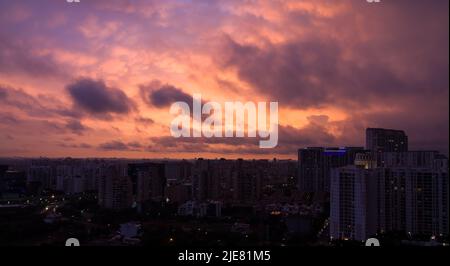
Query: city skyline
x: 329, y: 195
x: 96, y: 79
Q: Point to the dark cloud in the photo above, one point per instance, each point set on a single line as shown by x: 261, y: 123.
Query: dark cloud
x: 94, y: 97
x: 284, y: 72
x: 117, y: 145
x: 306, y: 74
x: 163, y: 95
x: 75, y: 146
x: 393, y: 52
x: 135, y: 145
x: 188, y: 145
x: 144, y: 121
x: 85, y: 146
x: 67, y: 112
x: 315, y: 133
x: 76, y: 127
x: 114, y: 145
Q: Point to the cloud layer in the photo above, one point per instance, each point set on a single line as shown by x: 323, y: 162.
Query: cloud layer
x: 98, y: 79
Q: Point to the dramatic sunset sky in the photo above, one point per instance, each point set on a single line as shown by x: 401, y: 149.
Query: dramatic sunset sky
x: 97, y: 78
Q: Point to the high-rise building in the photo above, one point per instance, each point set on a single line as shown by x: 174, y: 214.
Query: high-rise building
x: 409, y: 193
x: 426, y: 212
x: 77, y: 185
x: 214, y: 179
x: 202, y: 181
x: 12, y: 182
x: 415, y: 192
x: 42, y: 175
x: 149, y: 181
x: 315, y: 163
x: 353, y: 211
x: 115, y: 188
x: 386, y: 140
x: 415, y: 159
x: 310, y: 169
x: 179, y: 192
x: 177, y: 170
x: 247, y: 181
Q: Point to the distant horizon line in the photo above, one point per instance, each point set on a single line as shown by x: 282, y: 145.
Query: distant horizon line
x: 193, y: 158
x: 131, y: 159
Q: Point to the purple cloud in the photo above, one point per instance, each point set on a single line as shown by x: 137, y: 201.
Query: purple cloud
x: 94, y: 97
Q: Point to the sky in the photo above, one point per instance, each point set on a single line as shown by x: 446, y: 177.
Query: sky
x: 97, y: 78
